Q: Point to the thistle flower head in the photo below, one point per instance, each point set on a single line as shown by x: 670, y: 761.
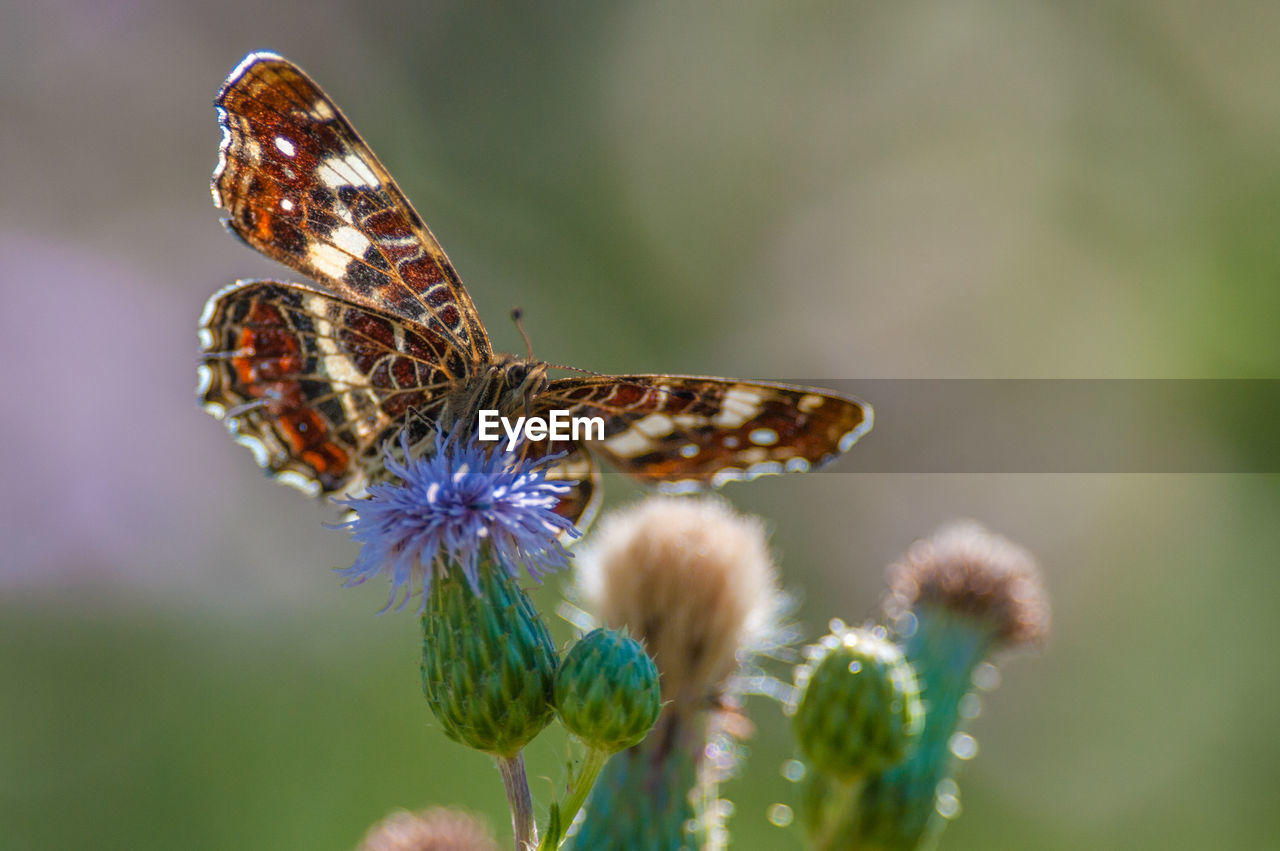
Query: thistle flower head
x: 974, y: 573
x: 436, y: 829
x: 690, y: 578
x: 446, y: 508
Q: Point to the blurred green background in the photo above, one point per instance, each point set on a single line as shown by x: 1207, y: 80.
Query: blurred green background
x: 802, y: 190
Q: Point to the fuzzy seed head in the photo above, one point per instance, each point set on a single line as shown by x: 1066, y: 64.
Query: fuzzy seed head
x: 968, y: 570
x: 690, y: 578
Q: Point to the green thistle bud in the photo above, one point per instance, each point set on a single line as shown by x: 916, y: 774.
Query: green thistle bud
x: 487, y: 661
x: 606, y: 690
x: 860, y: 711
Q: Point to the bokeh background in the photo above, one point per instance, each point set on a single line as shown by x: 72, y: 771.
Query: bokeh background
x: 805, y: 190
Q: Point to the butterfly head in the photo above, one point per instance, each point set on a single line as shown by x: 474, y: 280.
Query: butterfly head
x: 516, y: 382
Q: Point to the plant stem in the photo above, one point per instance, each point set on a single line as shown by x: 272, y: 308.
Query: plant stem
x: 837, y: 811
x: 578, y: 791
x: 518, y: 799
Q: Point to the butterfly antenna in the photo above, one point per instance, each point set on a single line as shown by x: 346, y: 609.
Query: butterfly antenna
x: 517, y: 316
x: 568, y: 368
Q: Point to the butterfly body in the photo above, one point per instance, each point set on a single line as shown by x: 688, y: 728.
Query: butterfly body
x: 318, y: 380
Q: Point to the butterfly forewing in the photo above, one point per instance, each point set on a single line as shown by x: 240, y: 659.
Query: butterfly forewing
x: 691, y: 431
x: 301, y: 186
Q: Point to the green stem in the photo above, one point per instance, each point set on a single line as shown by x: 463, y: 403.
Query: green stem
x: 644, y: 797
x: 588, y: 770
x: 836, y: 809
x: 518, y: 799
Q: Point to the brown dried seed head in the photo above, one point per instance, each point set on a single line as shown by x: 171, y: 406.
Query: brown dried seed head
x: 968, y: 569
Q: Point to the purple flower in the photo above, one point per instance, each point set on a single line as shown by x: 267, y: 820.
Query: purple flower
x: 449, y: 508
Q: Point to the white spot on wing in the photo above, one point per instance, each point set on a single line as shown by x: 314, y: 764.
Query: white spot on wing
x: 350, y: 170
x: 337, y: 366
x: 729, y: 474
x: 254, y: 445
x: 329, y: 176
x: 204, y: 380
x: 285, y: 146
x: 688, y: 450
x: 307, y: 485
x: 328, y: 259
x: 764, y: 468
x: 628, y: 444
x: 351, y: 241
x: 809, y: 402
x: 740, y: 404
x: 654, y: 425
x: 763, y: 437
x: 286, y: 204
x: 361, y: 168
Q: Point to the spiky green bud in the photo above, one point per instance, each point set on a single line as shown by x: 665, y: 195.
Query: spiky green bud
x: 488, y: 662
x: 606, y: 690
x: 860, y: 710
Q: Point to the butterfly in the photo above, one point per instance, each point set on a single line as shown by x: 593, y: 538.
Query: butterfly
x: 316, y: 380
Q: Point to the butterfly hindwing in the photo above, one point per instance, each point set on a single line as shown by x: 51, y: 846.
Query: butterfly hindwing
x: 314, y: 383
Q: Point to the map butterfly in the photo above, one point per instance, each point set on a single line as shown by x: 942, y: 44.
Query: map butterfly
x: 317, y: 379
